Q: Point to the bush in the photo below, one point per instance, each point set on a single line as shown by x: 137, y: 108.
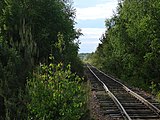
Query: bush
x: 55, y: 94
x: 158, y: 96
x: 12, y: 82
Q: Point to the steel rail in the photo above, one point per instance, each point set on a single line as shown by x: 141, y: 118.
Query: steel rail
x: 119, y: 105
x: 144, y: 101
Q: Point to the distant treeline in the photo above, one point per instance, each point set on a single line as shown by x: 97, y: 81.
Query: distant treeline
x: 84, y: 56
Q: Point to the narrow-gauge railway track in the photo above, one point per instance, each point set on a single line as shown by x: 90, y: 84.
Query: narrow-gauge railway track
x: 120, y: 102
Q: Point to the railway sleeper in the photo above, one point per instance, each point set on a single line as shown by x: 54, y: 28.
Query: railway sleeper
x: 140, y: 111
x: 104, y: 97
x: 116, y: 115
x: 110, y: 112
x: 127, y: 99
x: 129, y: 102
x: 122, y: 95
x: 136, y: 107
x: 109, y: 107
x: 149, y: 117
x: 133, y: 104
x: 105, y: 104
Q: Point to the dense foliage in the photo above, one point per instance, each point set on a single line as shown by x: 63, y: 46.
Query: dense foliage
x: 31, y: 30
x: 130, y: 48
x: 55, y: 94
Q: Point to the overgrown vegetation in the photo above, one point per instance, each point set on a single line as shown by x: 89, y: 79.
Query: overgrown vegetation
x: 130, y: 48
x: 29, y: 32
x: 55, y: 94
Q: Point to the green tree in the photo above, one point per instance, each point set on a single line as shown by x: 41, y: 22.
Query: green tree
x: 130, y: 48
x: 28, y: 34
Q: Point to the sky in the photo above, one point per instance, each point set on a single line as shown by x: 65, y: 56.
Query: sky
x: 90, y: 18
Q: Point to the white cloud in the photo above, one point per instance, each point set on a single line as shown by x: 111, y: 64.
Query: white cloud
x: 90, y: 40
x: 92, y: 32
x: 99, y: 11
x: 93, y: 10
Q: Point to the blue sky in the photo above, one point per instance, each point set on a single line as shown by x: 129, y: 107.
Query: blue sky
x: 90, y: 17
